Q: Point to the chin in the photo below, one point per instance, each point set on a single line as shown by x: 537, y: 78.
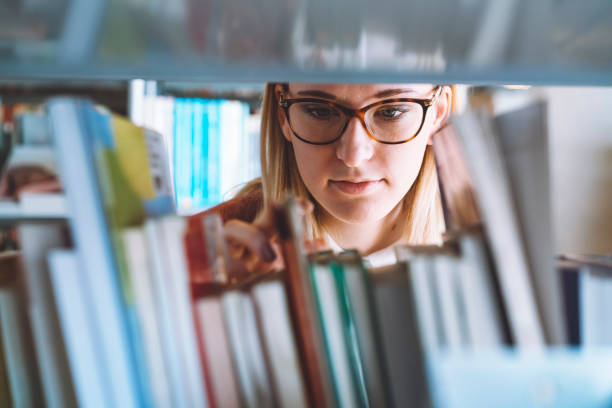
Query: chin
x: 356, y: 212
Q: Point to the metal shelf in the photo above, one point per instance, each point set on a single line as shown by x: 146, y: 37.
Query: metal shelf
x: 443, y: 41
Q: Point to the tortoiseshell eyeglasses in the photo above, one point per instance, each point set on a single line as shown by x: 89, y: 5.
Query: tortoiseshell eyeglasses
x: 389, y: 121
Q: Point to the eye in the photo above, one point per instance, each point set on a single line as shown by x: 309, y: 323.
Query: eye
x: 394, y: 112
x: 319, y: 111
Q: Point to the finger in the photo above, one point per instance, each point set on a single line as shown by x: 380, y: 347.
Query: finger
x: 266, y: 220
x: 250, y: 236
x: 236, y: 270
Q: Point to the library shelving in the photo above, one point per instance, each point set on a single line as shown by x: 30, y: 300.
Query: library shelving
x: 106, y: 43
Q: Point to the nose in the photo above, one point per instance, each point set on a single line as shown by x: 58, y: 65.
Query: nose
x: 354, y: 146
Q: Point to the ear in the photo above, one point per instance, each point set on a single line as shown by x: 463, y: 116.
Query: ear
x: 442, y: 111
x: 280, y: 113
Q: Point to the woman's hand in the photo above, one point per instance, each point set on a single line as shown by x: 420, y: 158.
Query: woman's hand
x: 255, y: 247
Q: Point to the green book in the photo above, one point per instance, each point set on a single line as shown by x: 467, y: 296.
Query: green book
x: 355, y: 291
x: 333, y: 323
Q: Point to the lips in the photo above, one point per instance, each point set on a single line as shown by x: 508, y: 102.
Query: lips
x: 356, y: 187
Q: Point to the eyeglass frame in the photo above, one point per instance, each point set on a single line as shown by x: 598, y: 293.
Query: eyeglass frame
x: 425, y: 103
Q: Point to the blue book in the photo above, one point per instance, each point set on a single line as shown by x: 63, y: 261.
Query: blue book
x: 198, y: 153
x: 117, y: 196
x: 182, y: 160
x: 72, y: 130
x: 214, y: 151
x: 203, y: 176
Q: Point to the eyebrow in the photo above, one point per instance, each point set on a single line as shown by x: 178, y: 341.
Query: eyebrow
x: 385, y: 93
x: 315, y: 93
x: 392, y: 92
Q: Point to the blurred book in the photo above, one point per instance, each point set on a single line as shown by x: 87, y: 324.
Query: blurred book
x: 19, y: 353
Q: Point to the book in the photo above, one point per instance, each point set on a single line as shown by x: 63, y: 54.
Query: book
x: 360, y: 300
x: 332, y: 325
x: 450, y: 297
x: 217, y: 348
x: 5, y: 389
x: 93, y: 388
x: 523, y: 141
x: 305, y: 321
x: 456, y: 185
x: 93, y: 244
x: 174, y: 309
x: 280, y: 344
x: 247, y: 348
x: 421, y: 276
x: 18, y: 346
x: 486, y: 321
x: 139, y: 268
x: 403, y: 350
x: 494, y: 196
x: 36, y: 240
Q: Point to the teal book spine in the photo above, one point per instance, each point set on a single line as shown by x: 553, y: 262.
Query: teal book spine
x: 214, y: 128
x: 198, y: 192
x: 350, y: 333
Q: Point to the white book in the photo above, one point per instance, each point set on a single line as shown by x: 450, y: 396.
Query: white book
x: 333, y: 332
x: 483, y: 314
x: 177, y: 375
x: 247, y: 349
x: 172, y: 229
x: 496, y: 202
x: 420, y: 275
x: 279, y: 343
x: 141, y: 276
x: 76, y: 314
x: 445, y: 269
x: 71, y: 123
x: 595, y: 292
x: 36, y: 241
x: 219, y: 359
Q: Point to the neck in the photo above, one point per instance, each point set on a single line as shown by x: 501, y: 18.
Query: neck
x: 366, y: 237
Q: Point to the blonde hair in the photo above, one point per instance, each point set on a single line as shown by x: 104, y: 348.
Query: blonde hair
x: 280, y: 177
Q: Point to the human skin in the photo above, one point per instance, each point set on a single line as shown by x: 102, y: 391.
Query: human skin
x: 358, y: 182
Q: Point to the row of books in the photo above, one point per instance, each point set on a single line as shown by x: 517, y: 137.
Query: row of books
x: 134, y: 307
x: 213, y: 146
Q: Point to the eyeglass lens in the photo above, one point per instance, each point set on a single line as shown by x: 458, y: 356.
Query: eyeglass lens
x: 322, y: 123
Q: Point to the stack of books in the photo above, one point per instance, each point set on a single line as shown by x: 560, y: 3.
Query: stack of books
x: 212, y: 146
x: 129, y: 304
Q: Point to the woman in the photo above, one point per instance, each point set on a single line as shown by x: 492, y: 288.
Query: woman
x: 359, y: 154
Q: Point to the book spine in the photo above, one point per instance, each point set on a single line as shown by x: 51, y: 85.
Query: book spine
x: 72, y: 134
x: 92, y: 385
x: 36, y: 240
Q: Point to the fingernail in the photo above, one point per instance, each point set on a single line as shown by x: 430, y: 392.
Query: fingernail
x: 268, y: 253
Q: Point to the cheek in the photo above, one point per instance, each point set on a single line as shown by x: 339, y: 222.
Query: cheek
x: 312, y: 162
x: 404, y: 163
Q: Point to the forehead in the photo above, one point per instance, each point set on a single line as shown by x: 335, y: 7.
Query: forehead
x: 357, y: 93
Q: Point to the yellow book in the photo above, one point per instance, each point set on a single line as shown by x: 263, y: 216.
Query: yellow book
x: 131, y: 150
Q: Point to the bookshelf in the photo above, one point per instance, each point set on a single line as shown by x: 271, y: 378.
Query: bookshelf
x: 482, y: 42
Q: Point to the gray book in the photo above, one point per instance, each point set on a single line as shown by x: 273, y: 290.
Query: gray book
x: 36, y: 240
x: 17, y: 342
x: 523, y: 141
x: 398, y: 324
